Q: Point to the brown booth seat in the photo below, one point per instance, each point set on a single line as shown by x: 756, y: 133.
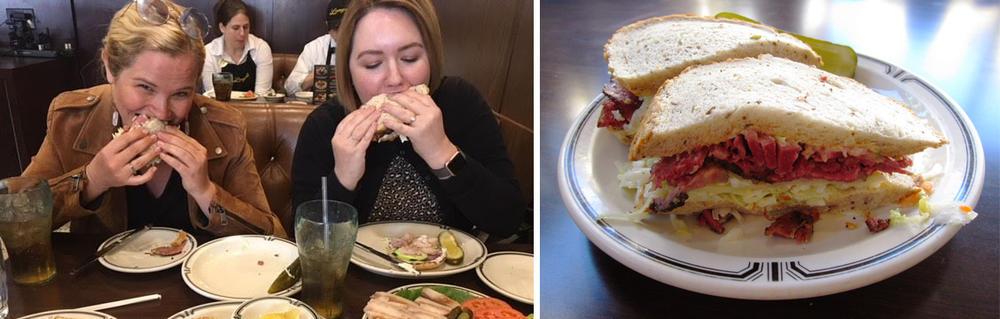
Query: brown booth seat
x: 283, y: 65
x: 272, y: 131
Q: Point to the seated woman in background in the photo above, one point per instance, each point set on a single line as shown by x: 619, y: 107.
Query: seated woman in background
x: 238, y: 51
x: 111, y: 167
x: 320, y: 51
x: 453, y: 169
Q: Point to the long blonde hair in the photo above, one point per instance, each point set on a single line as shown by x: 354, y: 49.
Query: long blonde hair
x: 129, y: 35
x: 424, y: 16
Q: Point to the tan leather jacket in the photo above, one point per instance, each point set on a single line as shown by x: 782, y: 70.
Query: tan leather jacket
x: 79, y: 125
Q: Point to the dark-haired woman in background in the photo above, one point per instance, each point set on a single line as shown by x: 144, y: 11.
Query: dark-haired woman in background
x: 238, y: 51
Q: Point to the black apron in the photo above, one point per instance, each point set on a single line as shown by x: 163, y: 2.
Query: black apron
x: 330, y: 51
x: 244, y: 75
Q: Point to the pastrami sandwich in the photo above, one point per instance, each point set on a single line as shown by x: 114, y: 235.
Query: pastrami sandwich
x: 152, y: 126
x: 644, y: 54
x: 767, y: 135
x: 382, y: 133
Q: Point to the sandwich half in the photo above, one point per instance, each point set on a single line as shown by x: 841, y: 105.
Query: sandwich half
x: 382, y: 133
x: 644, y: 54
x: 766, y: 136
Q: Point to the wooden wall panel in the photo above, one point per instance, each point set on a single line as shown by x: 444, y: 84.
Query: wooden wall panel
x: 92, y: 19
x: 295, y: 23
x: 477, y: 42
x: 518, y: 95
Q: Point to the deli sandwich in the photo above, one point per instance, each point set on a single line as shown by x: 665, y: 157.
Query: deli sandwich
x: 644, y: 54
x: 383, y: 133
x: 767, y: 135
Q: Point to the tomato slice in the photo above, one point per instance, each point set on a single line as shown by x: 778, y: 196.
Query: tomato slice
x: 498, y: 313
x: 480, y: 304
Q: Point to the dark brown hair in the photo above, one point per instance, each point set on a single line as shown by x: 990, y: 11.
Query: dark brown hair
x: 424, y: 16
x: 225, y: 10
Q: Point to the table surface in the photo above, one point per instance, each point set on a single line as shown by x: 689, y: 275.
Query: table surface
x: 98, y: 284
x: 952, y: 44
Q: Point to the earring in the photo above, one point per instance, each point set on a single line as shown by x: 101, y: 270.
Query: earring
x: 115, y: 118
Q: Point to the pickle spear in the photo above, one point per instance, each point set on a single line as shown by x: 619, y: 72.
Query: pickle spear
x: 453, y: 252
x: 837, y: 59
x: 287, y: 278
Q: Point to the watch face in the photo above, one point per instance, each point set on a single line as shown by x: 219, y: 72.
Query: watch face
x: 457, y: 163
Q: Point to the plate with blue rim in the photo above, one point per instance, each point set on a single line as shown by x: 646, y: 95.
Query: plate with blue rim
x: 378, y: 234
x: 217, y: 309
x: 755, y: 266
x: 239, y: 267
x: 69, y: 314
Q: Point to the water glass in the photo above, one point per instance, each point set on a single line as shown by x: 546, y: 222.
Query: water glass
x: 325, y: 232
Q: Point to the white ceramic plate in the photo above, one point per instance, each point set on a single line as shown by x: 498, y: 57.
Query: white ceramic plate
x: 133, y: 256
x: 755, y: 266
x: 511, y: 273
x: 422, y: 285
x: 234, y: 95
x: 214, y: 310
x: 69, y: 314
x: 258, y: 307
x: 377, y: 235
x: 239, y: 267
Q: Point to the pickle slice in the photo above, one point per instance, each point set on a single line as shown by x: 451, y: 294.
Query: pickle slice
x: 837, y: 59
x: 453, y: 252
x: 287, y: 278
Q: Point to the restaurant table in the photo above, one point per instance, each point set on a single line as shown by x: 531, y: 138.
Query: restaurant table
x: 951, y: 44
x: 98, y: 284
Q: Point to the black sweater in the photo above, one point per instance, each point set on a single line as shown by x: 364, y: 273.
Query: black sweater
x: 484, y: 195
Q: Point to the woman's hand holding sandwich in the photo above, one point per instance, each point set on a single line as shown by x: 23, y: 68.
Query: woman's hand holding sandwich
x: 350, y: 142
x: 190, y: 159
x: 417, y: 117
x: 118, y: 163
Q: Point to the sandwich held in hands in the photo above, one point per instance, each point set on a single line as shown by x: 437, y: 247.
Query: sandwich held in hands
x: 644, y: 54
x: 382, y: 133
x: 770, y: 136
x: 151, y: 126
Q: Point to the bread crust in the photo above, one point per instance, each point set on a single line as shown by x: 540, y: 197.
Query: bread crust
x: 759, y: 39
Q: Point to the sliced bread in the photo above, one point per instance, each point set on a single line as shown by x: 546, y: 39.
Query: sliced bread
x: 712, y: 103
x: 643, y: 54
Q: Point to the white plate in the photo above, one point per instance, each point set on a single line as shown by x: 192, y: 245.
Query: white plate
x: 755, y: 266
x: 511, y: 273
x: 239, y: 267
x: 69, y: 314
x: 474, y: 293
x: 132, y: 257
x: 233, y: 95
x: 258, y: 307
x: 377, y: 235
x: 215, y: 310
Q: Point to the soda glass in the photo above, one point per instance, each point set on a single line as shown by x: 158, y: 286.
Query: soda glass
x: 26, y: 229
x: 326, y: 240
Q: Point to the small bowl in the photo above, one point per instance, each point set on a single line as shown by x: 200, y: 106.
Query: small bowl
x: 276, y: 98
x: 305, y: 95
x: 258, y: 307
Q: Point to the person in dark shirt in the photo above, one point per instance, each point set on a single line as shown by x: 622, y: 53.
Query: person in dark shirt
x: 452, y: 168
